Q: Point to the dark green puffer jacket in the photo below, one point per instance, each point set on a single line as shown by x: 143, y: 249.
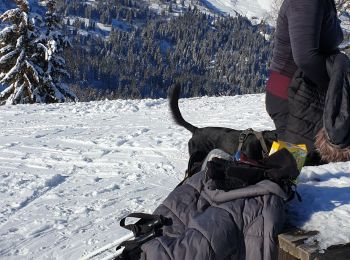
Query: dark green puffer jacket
x: 306, y: 103
x: 312, y: 108
x: 333, y: 140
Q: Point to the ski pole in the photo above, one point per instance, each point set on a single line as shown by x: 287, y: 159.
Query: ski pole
x: 148, y: 227
x: 108, y: 247
x: 114, y: 255
x: 131, y: 245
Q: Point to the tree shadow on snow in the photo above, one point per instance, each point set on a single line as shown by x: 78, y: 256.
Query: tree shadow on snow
x: 317, y: 198
x: 325, y: 177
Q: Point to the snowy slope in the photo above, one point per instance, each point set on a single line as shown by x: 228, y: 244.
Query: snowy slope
x: 252, y: 9
x: 69, y: 172
x: 248, y: 8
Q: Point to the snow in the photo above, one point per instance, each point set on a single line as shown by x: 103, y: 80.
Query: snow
x: 6, y: 31
x: 326, y: 203
x: 4, y: 59
x: 69, y: 172
x: 251, y: 8
x: 15, y: 69
x: 121, y: 25
x: 345, y: 22
x: 345, y: 44
x: 104, y: 27
x: 255, y: 10
x: 99, y: 27
x: 7, y: 15
x: 34, y: 72
x: 6, y: 48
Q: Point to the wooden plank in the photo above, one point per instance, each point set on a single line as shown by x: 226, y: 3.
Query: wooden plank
x: 292, y: 243
x: 282, y: 255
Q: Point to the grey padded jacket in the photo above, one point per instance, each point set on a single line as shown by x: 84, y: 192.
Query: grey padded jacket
x: 214, y: 224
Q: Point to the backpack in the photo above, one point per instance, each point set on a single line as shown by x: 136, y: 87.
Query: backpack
x: 243, y: 168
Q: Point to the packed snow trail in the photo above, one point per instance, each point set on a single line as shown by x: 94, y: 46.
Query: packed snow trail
x: 70, y: 172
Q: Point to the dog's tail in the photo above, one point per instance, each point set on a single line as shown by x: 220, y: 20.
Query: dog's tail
x: 175, y: 111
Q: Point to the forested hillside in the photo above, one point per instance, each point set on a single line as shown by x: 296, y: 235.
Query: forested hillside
x: 143, y: 52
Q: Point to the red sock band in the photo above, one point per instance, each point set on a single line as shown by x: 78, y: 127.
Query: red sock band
x: 278, y: 84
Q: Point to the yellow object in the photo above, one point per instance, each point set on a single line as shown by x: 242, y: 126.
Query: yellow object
x: 299, y: 151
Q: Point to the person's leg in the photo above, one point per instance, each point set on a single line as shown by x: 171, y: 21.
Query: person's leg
x: 278, y: 110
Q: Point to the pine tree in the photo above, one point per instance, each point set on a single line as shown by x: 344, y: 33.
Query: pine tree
x: 31, y: 66
x: 18, y: 72
x: 55, y: 66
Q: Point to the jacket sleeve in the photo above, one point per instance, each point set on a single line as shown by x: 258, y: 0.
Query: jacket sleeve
x: 304, y: 25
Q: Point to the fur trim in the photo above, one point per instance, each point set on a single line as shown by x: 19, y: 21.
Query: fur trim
x: 328, y: 151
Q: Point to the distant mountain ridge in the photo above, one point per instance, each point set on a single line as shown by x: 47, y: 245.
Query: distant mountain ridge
x: 254, y: 10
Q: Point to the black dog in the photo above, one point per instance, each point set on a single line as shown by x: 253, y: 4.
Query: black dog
x: 208, y: 138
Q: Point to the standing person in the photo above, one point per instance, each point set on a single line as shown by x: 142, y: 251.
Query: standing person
x: 307, y: 32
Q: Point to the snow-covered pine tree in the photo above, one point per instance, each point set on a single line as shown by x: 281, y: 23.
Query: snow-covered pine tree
x: 18, y: 73
x: 55, y: 66
x: 343, y: 7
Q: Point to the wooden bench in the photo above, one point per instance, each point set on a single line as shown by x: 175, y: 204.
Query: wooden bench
x: 292, y: 247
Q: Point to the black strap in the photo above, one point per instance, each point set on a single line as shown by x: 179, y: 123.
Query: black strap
x: 148, y: 227
x: 146, y: 224
x: 294, y: 189
x: 243, y: 137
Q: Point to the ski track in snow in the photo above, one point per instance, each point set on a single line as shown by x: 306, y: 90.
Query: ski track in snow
x: 70, y: 172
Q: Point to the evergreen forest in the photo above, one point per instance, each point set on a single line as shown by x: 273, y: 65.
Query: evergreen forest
x: 146, y: 52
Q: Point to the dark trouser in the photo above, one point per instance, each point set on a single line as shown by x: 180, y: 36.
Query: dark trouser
x: 278, y: 110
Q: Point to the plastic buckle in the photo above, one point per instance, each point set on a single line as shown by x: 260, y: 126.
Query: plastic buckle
x: 242, y: 137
